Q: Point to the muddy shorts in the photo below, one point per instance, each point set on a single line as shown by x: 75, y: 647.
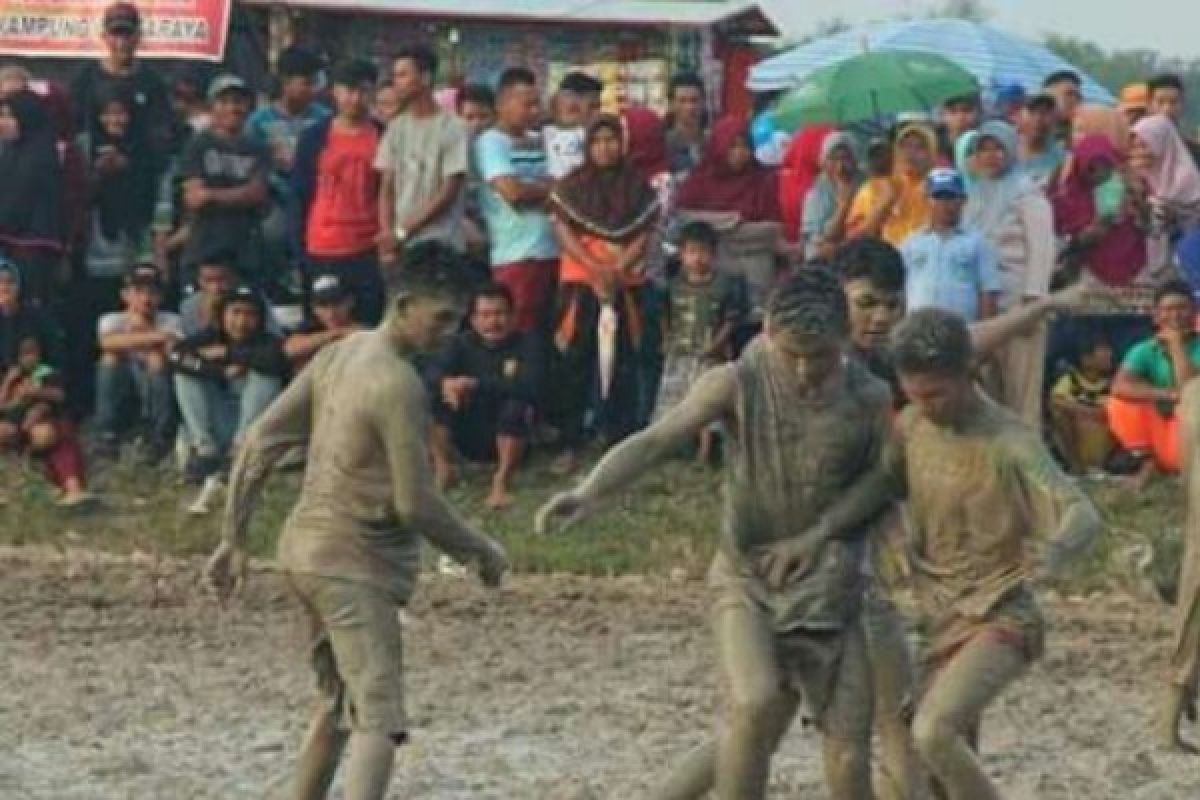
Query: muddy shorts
x: 357, y: 652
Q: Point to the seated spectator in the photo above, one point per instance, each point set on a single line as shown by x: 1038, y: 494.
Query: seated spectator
x: 1141, y: 412
x: 485, y: 386
x: 333, y: 319
x: 135, y: 345
x: 1078, y: 420
x: 215, y: 276
x: 704, y: 308
x: 828, y: 204
x: 225, y: 188
x: 947, y: 265
x: 226, y: 376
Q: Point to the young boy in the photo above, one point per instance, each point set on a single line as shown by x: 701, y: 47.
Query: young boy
x: 867, y: 213
x: 226, y: 376
x: 980, y: 487
x: 808, y: 426
x: 225, y: 175
x: 949, y: 266
x: 704, y: 307
x: 135, y: 347
x: 1078, y: 418
x: 1146, y: 391
x: 577, y: 101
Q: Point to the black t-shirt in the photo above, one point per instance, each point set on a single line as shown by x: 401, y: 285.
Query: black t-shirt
x: 222, y: 164
x: 153, y: 118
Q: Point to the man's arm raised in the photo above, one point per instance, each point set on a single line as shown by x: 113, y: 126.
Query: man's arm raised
x: 711, y: 399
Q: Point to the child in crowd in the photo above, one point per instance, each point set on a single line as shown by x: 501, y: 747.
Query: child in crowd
x: 575, y: 104
x: 226, y: 376
x: 32, y: 420
x: 134, y: 348
x: 877, y: 190
x: 948, y: 266
x: 1079, y: 422
x: 704, y: 308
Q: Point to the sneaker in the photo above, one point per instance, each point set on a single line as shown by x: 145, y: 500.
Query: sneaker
x: 209, y: 494
x: 199, y: 468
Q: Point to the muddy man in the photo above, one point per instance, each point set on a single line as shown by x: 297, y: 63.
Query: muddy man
x: 350, y: 547
x: 807, y: 424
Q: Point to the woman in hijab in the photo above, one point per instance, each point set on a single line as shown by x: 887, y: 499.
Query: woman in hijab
x: 898, y: 207
x: 604, y: 212
x: 31, y: 205
x: 800, y: 169
x: 1013, y: 214
x: 730, y: 179
x: 827, y: 205
x: 1166, y: 175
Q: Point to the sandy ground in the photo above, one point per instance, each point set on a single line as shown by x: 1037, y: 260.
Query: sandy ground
x: 119, y: 681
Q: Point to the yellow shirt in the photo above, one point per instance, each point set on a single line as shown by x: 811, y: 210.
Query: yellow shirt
x: 909, y: 215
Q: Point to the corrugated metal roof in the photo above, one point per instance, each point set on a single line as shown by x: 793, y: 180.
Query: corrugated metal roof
x: 699, y: 13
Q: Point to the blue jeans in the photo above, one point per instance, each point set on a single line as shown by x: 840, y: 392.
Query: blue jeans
x: 217, y: 413
x: 117, y: 383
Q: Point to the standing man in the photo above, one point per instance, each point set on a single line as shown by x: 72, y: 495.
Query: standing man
x: 152, y: 123
x: 334, y: 217
x: 1167, y: 97
x: 1066, y: 87
x: 422, y: 161
x: 959, y: 115
x: 351, y: 547
x: 788, y: 591
x: 512, y: 166
x: 1042, y: 155
x: 1135, y: 102
x: 686, y: 123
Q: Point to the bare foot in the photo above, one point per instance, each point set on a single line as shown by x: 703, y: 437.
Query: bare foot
x: 1177, y: 744
x: 446, y: 476
x: 1178, y: 703
x: 499, y: 499
x: 74, y: 498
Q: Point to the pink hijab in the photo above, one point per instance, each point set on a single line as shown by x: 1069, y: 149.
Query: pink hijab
x: 1174, y: 178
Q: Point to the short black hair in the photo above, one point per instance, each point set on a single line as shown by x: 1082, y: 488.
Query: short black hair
x: 1173, y: 288
x: 871, y: 259
x: 478, y: 94
x: 972, y: 99
x: 685, y: 80
x: 219, y: 257
x: 810, y: 302
x: 421, y: 55
x: 1088, y: 341
x: 1166, y: 80
x: 354, y: 72
x: 434, y: 267
x: 1063, y: 76
x: 699, y: 232
x: 580, y: 83
x: 241, y: 295
x: 513, y: 77
x: 932, y: 341
x: 492, y: 291
x: 296, y: 62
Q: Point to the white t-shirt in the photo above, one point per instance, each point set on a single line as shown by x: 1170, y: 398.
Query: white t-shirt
x: 120, y: 322
x: 564, y: 149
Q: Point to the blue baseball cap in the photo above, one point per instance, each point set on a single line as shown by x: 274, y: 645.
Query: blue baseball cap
x: 945, y: 182
x: 1010, y: 94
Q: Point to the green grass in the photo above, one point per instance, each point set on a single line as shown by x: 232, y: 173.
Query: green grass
x: 669, y: 521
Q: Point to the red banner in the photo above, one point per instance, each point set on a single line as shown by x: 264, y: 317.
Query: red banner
x: 192, y: 29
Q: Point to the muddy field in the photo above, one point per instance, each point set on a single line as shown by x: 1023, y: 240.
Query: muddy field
x: 118, y: 681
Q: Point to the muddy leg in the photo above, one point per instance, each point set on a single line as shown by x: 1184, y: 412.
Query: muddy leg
x: 369, y: 770
x: 319, y: 756
x: 951, y: 709
x: 847, y: 724
x: 1180, y: 695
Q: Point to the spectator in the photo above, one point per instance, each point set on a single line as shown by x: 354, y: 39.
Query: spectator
x: 1167, y: 97
x: 225, y: 377
x: 687, y: 123
x: 897, y: 206
x: 729, y: 179
x: 387, y: 104
x: 950, y: 266
x: 512, y: 164
x: 1066, y: 87
x: 120, y: 72
x: 1041, y: 154
x: 215, y: 276
x: 575, y: 104
x: 135, y: 347
x: 1168, y: 178
x: 31, y: 204
x: 1142, y: 411
x: 827, y: 206
x: 14, y: 78
x: 1078, y: 420
x: 335, y: 192
x: 960, y: 115
x: 604, y: 212
x: 799, y: 172
x: 704, y: 308
x: 21, y: 323
x: 1135, y: 102
x: 485, y: 386
x: 189, y: 103
x: 477, y: 107
x: 277, y: 127
x: 423, y: 162
x: 1015, y: 217
x: 1094, y: 214
x: 225, y: 175
x: 122, y: 190
x: 873, y: 277
x: 333, y: 319
x: 1009, y: 103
